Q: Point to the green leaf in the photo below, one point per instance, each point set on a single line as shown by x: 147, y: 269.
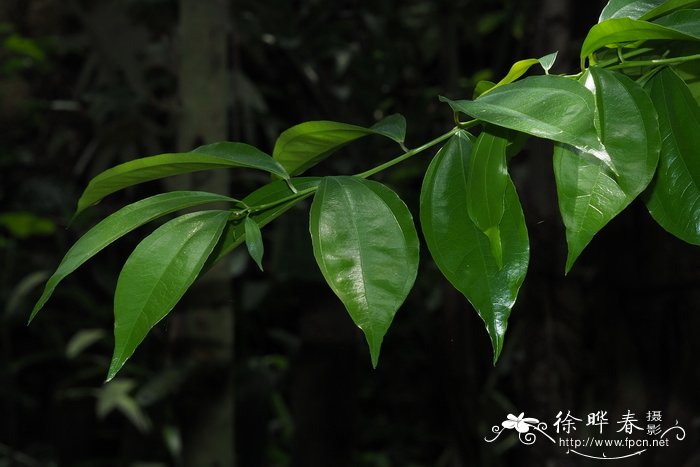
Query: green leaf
x: 619, y: 31
x: 482, y: 87
x: 673, y: 197
x: 25, y: 224
x: 518, y: 69
x: 254, y: 241
x: 462, y: 251
x: 305, y: 145
x: 547, y: 62
x: 590, y: 195
x: 550, y: 107
x: 366, y: 246
x: 274, y: 192
x: 685, y: 21
x: 119, y: 224
x: 214, y: 156
x: 392, y: 126
x: 82, y: 340
x: 486, y: 186
x: 633, y: 9
x: 157, y: 274
x: 668, y: 7
x: 116, y: 396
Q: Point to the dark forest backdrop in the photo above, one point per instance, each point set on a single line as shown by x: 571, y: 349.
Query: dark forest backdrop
x: 265, y: 369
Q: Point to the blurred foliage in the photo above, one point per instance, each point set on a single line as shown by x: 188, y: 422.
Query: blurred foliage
x: 85, y: 84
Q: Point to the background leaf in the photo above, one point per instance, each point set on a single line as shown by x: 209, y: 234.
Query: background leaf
x: 305, y: 145
x: 462, y: 251
x: 157, y: 274
x: 119, y: 224
x: 216, y: 156
x: 366, y: 246
x: 685, y: 21
x: 550, y: 107
x: 673, y: 197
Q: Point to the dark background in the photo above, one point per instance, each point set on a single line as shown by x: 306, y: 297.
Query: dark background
x: 265, y: 369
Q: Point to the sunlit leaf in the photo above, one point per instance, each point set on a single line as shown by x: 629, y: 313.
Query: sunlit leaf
x: 547, y: 61
x: 673, y: 197
x: 590, y: 195
x: 550, y: 107
x: 215, y: 156
x: 462, y: 251
x: 516, y: 71
x: 119, y: 224
x: 366, y: 246
x: 157, y: 274
x: 305, y: 145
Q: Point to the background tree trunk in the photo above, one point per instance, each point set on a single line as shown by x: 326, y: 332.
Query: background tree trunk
x: 204, y: 81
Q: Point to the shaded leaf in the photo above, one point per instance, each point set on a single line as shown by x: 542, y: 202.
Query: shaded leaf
x: 119, y: 224
x: 550, y: 107
x: 214, y: 156
x: 620, y: 31
x: 486, y: 186
x: 302, y: 146
x: 669, y: 6
x: 685, y: 21
x: 392, y: 126
x: 366, y: 246
x: 673, y: 197
x: 116, y: 396
x: 633, y: 9
x: 254, y: 241
x: 590, y: 195
x: 157, y: 274
x: 462, y: 251
x: 482, y: 87
x: 274, y: 192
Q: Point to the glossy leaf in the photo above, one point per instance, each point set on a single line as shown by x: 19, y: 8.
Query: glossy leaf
x: 366, y: 246
x: 620, y: 31
x: 590, y: 195
x: 157, y: 274
x: 633, y: 9
x: 668, y: 7
x: 254, y: 241
x: 216, y: 156
x: 486, y: 186
x: 272, y: 193
x: 547, y: 62
x: 673, y: 197
x: 462, y: 251
x: 685, y: 21
x: 119, y: 224
x: 550, y: 107
x: 305, y: 145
